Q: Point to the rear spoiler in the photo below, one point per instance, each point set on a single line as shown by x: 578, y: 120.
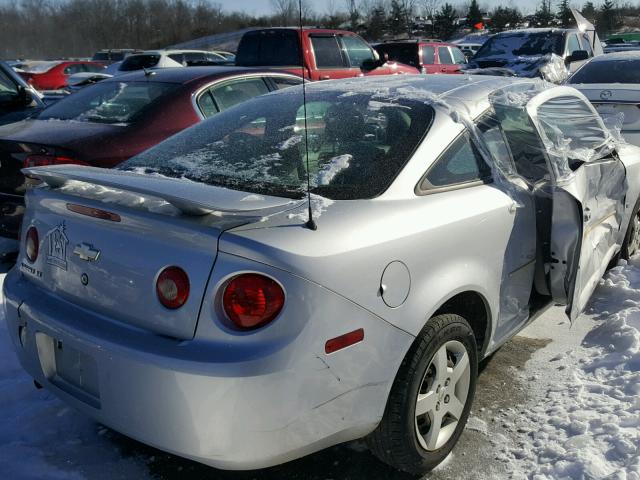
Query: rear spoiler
x: 191, y: 198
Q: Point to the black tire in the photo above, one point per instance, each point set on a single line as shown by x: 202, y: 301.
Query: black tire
x: 395, y: 440
x: 625, y: 253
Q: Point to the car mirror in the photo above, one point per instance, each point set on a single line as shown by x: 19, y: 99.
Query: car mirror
x: 578, y: 56
x: 371, y: 64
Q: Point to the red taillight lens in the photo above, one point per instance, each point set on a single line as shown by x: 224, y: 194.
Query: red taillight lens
x: 39, y: 160
x: 251, y: 300
x: 32, y: 244
x: 172, y: 287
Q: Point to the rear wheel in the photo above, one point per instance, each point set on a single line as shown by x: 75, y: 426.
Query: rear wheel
x: 431, y: 397
x: 631, y: 244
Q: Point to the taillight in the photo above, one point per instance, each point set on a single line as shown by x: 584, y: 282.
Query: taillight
x: 172, y: 287
x: 41, y: 160
x: 251, y: 300
x: 32, y: 244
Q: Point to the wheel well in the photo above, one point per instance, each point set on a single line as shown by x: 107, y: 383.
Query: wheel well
x: 472, y: 307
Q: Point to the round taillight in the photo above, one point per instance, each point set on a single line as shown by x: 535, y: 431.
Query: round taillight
x: 251, y: 300
x: 32, y: 244
x: 172, y: 287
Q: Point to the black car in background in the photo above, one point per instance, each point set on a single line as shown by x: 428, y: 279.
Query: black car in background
x: 17, y: 99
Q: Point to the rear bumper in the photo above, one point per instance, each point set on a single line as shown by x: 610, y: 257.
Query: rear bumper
x: 229, y: 411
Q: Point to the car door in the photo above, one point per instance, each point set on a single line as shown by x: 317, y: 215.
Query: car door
x: 587, y: 192
x: 429, y: 64
x: 446, y: 60
x: 330, y: 61
x: 458, y: 59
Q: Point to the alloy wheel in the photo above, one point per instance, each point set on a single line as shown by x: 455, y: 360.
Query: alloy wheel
x: 442, y: 396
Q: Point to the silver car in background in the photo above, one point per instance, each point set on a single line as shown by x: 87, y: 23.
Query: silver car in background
x: 612, y: 84
x: 189, y: 301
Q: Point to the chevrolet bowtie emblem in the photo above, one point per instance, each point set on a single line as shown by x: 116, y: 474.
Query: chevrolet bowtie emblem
x: 86, y: 252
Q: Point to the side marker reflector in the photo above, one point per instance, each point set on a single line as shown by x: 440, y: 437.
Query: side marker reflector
x: 344, y: 341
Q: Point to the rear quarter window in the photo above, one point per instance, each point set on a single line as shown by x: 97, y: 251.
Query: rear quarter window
x: 138, y: 62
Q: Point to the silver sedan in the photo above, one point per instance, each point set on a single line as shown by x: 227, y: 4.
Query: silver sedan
x: 290, y: 275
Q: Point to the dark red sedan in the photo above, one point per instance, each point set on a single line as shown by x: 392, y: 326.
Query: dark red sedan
x: 54, y: 75
x: 111, y: 121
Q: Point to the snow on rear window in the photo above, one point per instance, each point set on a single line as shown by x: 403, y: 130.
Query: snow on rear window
x: 509, y: 45
x: 356, y: 144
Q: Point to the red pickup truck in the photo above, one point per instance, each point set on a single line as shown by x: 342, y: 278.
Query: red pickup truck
x: 322, y: 54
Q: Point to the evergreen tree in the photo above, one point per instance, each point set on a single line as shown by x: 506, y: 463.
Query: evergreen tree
x: 474, y: 15
x: 543, y: 15
x: 589, y: 11
x: 505, y: 18
x: 397, y: 18
x: 445, y: 21
x: 564, y: 13
x: 609, y: 17
x: 377, y: 23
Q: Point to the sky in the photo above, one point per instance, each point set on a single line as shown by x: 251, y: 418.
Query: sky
x: 260, y: 7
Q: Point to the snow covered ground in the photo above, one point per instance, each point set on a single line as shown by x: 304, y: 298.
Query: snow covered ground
x: 577, y: 416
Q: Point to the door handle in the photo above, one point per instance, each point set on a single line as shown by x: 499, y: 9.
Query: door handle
x: 325, y: 77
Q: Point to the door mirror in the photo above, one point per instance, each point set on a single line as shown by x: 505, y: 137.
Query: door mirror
x: 371, y: 64
x: 578, y: 56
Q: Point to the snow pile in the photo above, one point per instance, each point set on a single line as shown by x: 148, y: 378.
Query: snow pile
x: 327, y: 172
x: 590, y: 428
x: 119, y: 197
x: 318, y: 206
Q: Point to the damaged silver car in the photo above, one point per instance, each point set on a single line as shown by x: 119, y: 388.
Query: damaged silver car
x: 292, y: 274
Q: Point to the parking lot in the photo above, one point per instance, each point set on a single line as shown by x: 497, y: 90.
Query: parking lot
x: 381, y: 240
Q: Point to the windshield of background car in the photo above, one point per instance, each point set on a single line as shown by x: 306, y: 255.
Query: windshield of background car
x: 401, y: 52
x: 138, y: 62
x: 108, y: 102
x: 608, y: 71
x: 521, y: 44
x: 357, y: 144
x: 277, y: 48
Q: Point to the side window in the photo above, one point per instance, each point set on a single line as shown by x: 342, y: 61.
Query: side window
x: 327, y: 52
x: 357, y: 50
x: 285, y: 82
x: 194, y: 58
x: 444, y: 55
x: 460, y: 164
x: 573, y: 45
x: 207, y: 105
x: 88, y: 67
x: 238, y: 91
x: 495, y: 139
x: 428, y: 55
x: 586, y: 44
x: 71, y: 69
x: 526, y: 147
x: 458, y: 56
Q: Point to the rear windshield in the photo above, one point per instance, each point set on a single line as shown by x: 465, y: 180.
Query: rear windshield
x: 357, y: 144
x: 277, y: 48
x: 524, y: 43
x: 400, y: 52
x: 138, y: 62
x: 609, y: 71
x: 108, y: 102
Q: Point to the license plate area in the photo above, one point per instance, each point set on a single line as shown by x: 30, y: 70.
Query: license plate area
x: 69, y: 369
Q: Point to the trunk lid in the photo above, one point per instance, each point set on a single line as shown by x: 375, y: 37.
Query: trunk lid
x: 611, y: 100
x: 105, y: 236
